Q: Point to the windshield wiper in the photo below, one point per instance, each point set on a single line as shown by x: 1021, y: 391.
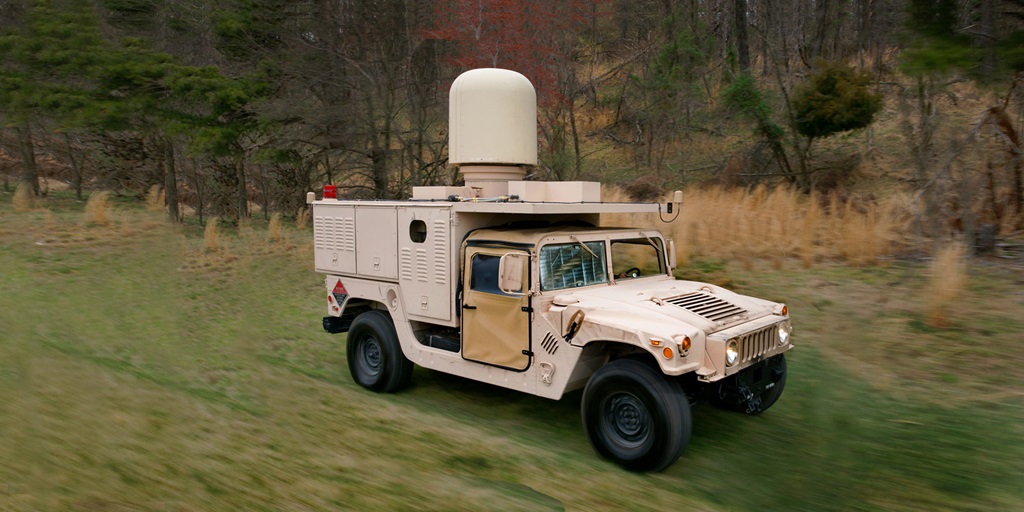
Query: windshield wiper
x: 584, y: 246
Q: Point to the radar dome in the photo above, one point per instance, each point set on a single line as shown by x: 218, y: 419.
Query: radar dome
x: 492, y: 119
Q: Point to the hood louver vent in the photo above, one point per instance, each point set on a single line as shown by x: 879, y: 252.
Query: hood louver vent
x: 706, y: 306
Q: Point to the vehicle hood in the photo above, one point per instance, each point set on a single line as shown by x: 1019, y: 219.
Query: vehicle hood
x: 707, y: 307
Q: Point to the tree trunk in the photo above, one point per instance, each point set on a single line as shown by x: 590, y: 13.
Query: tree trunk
x: 197, y: 186
x: 967, y: 217
x: 241, y: 192
x: 29, y: 171
x: 742, y: 47
x: 1017, y: 199
x: 76, y: 171
x: 170, y: 182
x: 822, y: 31
x: 922, y: 154
x: 379, y: 170
x: 1005, y: 125
x: 575, y: 137
x: 988, y: 62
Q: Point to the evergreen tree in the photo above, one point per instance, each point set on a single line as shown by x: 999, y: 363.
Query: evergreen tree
x: 47, y: 68
x: 834, y: 99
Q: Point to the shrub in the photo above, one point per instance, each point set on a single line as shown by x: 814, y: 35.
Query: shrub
x: 834, y: 99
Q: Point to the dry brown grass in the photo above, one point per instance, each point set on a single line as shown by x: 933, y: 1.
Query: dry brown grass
x: 947, y: 276
x: 97, y: 209
x: 155, y: 199
x: 210, y: 240
x: 774, y: 224
x: 302, y: 219
x: 274, y: 228
x: 23, y: 199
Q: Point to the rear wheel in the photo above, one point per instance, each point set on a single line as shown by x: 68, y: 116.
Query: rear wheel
x: 375, y: 357
x: 635, y: 416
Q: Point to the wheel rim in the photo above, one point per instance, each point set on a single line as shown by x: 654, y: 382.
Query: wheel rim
x: 626, y: 421
x: 370, y: 358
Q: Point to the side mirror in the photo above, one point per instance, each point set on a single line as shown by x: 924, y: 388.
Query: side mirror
x: 510, y: 273
x: 671, y: 254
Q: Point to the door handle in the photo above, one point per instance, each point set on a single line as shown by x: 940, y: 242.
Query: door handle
x: 467, y: 306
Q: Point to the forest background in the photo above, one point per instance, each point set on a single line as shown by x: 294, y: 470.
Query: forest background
x: 841, y: 156
x: 238, y: 107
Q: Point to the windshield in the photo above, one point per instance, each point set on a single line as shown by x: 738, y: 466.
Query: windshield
x: 637, y: 257
x: 572, y: 266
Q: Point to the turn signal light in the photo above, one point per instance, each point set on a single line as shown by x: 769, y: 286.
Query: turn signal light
x: 685, y: 345
x: 785, y: 310
x: 667, y: 353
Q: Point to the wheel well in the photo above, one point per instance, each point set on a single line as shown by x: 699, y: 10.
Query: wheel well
x: 353, y: 308
x: 618, y: 350
x: 612, y: 350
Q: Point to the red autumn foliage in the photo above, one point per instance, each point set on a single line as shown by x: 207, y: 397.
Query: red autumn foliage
x: 533, y: 37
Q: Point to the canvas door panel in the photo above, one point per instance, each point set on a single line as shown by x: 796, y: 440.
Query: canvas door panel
x: 495, y: 328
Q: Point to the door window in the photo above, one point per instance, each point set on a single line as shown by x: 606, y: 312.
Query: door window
x: 484, y: 277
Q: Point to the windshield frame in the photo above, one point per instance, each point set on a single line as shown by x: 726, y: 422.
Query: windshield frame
x: 605, y: 238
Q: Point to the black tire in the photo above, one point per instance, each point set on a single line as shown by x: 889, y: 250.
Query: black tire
x: 635, y: 416
x: 375, y: 357
x: 769, y: 397
x: 727, y: 398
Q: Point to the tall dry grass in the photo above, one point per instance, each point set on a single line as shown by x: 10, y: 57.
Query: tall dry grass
x: 155, y: 199
x: 97, y: 208
x: 774, y: 224
x: 274, y: 227
x: 23, y: 199
x: 947, y: 276
x: 302, y: 219
x: 210, y: 239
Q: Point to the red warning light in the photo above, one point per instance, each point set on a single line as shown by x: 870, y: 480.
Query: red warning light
x: 330, y: 192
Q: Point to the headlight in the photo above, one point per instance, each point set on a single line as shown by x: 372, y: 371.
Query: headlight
x: 732, y: 353
x: 785, y: 329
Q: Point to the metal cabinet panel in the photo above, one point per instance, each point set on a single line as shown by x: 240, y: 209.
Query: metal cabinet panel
x: 334, y: 239
x: 376, y: 242
x: 425, y: 267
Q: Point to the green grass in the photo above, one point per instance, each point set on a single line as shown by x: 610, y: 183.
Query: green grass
x: 141, y: 372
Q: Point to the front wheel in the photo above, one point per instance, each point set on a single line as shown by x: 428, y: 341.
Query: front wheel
x: 375, y: 357
x: 754, y: 390
x: 635, y: 416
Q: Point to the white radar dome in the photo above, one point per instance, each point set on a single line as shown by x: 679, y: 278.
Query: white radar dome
x: 492, y: 119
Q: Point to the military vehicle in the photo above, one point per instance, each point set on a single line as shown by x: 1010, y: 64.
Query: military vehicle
x: 516, y: 284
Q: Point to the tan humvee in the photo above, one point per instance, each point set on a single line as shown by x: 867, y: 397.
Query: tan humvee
x: 515, y: 284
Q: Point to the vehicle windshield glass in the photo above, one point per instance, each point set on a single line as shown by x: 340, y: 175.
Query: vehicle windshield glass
x: 637, y: 257
x: 571, y: 265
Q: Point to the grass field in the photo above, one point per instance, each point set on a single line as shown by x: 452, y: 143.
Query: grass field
x: 140, y: 371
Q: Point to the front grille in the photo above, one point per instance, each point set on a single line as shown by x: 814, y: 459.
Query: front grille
x: 706, y: 306
x: 755, y: 344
